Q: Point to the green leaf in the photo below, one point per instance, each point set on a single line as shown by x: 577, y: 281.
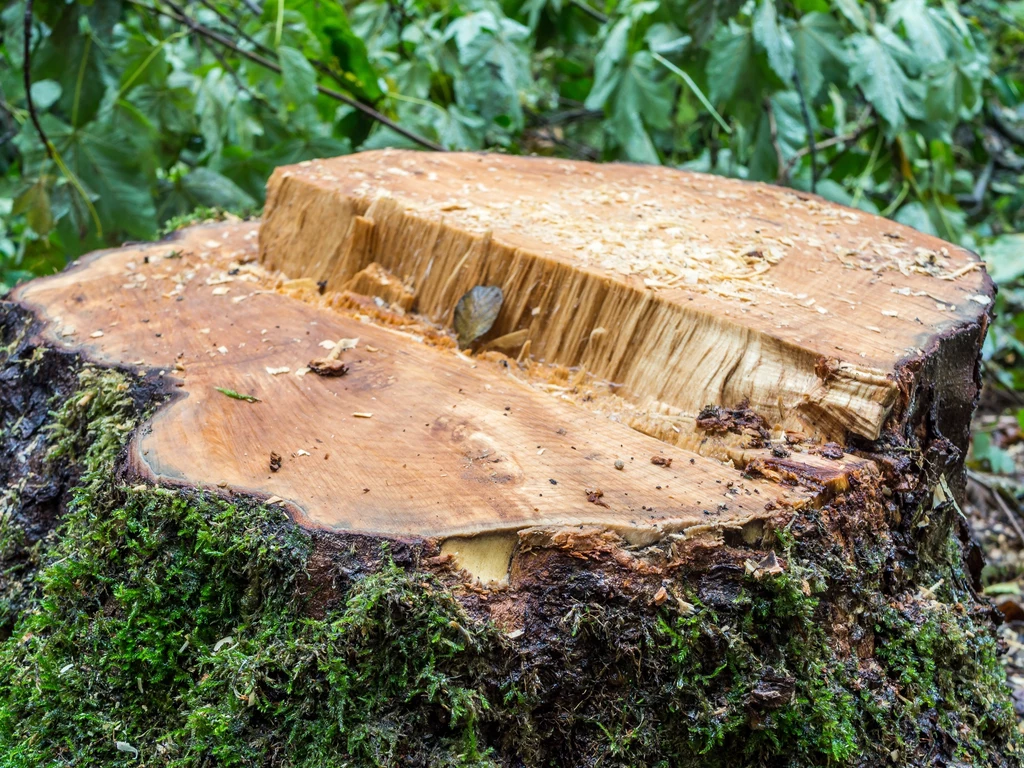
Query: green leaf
x: 915, y: 215
x: 45, y: 94
x: 1004, y: 257
x: 791, y: 135
x: 927, y: 29
x: 774, y: 39
x: 237, y: 395
x: 459, y: 130
x: 875, y: 67
x: 208, y: 188
x: 705, y: 16
x: 298, y: 77
x: 732, y: 58
x: 666, y: 39
x: 494, y: 65
x: 817, y: 52
x: 642, y: 100
x: 34, y: 202
x: 329, y: 22
x: 607, y: 65
x: 168, y: 104
x: 105, y: 162
x: 987, y: 455
x: 75, y: 60
x: 854, y: 14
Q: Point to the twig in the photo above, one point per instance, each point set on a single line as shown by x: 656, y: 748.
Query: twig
x: 234, y: 75
x: 996, y: 491
x: 862, y: 127
x: 593, y: 13
x: 179, y: 16
x: 977, y: 196
x: 566, y: 116
x: 27, y: 72
x: 810, y: 130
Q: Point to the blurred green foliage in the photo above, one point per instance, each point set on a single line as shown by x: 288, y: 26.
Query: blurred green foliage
x: 914, y: 108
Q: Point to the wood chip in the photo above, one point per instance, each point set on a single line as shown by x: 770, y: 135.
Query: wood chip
x: 326, y: 366
x: 360, y: 415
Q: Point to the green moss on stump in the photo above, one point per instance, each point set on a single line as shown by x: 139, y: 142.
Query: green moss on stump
x: 169, y: 628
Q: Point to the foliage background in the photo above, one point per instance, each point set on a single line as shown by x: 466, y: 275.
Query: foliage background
x: 915, y: 108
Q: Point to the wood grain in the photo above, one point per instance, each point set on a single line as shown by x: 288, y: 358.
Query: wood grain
x: 681, y: 288
x: 455, y: 446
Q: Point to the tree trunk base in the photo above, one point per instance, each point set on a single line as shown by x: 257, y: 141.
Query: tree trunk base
x: 224, y: 545
x: 848, y: 634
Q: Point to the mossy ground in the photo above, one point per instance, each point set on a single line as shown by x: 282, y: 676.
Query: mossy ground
x: 172, y: 628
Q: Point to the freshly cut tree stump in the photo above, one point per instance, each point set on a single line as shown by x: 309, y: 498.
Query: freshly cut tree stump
x: 690, y: 499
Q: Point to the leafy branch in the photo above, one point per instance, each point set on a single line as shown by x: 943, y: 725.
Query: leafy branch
x: 178, y: 14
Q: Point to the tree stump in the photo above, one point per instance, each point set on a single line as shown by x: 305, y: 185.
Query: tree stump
x: 685, y: 491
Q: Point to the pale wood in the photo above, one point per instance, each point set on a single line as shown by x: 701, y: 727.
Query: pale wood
x: 681, y: 288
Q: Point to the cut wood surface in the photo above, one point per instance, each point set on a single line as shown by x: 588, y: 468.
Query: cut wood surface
x: 684, y: 289
x: 633, y: 297
x: 415, y: 440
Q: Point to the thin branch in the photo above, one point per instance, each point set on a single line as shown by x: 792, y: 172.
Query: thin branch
x: 179, y: 15
x: 321, y: 66
x: 237, y: 28
x: 593, y: 13
x: 997, y: 491
x: 810, y: 130
x: 566, y: 116
x: 861, y: 129
x: 27, y: 72
x: 693, y: 88
x: 973, y: 202
x: 234, y: 75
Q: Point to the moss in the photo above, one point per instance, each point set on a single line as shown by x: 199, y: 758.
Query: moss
x: 89, y: 428
x: 172, y: 623
x: 198, y: 216
x: 177, y: 629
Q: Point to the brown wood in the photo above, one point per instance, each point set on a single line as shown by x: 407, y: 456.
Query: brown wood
x: 420, y: 439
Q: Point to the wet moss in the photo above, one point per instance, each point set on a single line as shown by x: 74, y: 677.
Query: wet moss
x: 180, y: 629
